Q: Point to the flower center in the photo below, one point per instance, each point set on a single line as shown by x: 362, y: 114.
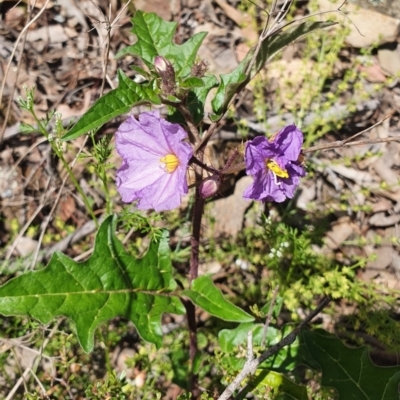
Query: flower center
x: 276, y: 169
x: 171, y: 162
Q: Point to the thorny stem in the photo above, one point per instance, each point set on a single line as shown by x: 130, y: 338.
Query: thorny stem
x: 206, y: 167
x: 193, y: 131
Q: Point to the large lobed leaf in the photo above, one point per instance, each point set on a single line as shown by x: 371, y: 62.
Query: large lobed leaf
x: 116, y: 102
x: 110, y: 283
x: 156, y: 37
x: 349, y: 370
x: 239, y: 77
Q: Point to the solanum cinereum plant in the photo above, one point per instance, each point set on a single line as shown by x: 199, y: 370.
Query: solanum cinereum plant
x: 156, y: 151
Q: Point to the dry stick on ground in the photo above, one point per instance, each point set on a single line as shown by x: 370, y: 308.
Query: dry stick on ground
x: 43, y: 203
x: 266, y: 32
x: 105, y: 66
x: 21, y: 35
x: 252, y: 363
x: 53, y: 208
x: 34, y: 362
x: 344, y: 143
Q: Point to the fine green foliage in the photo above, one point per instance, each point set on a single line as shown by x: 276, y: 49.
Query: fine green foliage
x: 155, y: 38
x: 204, y: 294
x: 110, y: 283
x: 112, y: 104
x: 231, y: 83
x: 349, y: 371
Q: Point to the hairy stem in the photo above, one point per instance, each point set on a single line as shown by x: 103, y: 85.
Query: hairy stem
x: 198, y: 209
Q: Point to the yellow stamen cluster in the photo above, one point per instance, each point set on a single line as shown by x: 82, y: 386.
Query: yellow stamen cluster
x: 276, y: 169
x: 171, y: 162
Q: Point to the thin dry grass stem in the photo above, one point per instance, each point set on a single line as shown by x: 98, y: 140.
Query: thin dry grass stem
x: 65, y: 384
x: 269, y: 315
x: 265, y: 33
x: 10, y: 100
x: 43, y: 202
x: 19, y: 366
x: 35, y: 362
x: 35, y: 377
x: 16, y: 343
x: 37, y: 143
x: 343, y: 143
x: 47, y: 221
x: 20, y: 36
x: 22, y: 378
x: 109, y: 27
x: 348, y: 142
x: 371, y: 127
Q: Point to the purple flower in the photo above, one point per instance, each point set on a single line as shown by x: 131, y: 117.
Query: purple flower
x: 274, y: 165
x: 154, y: 162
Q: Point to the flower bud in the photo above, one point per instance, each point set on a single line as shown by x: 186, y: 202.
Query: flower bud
x: 167, y: 74
x: 210, y: 186
x: 161, y: 64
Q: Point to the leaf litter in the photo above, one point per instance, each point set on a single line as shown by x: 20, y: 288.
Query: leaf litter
x: 63, y: 56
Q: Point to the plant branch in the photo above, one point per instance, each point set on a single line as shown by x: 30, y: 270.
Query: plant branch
x: 251, y: 364
x: 346, y: 143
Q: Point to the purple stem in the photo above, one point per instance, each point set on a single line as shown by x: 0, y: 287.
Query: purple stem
x: 198, y: 209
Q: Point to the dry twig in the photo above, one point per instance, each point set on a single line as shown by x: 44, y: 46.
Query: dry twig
x: 252, y: 363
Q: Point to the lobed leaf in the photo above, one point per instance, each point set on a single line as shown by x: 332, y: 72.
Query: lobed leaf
x: 349, y: 370
x: 207, y: 296
x: 116, y: 102
x: 110, y: 283
x: 155, y: 38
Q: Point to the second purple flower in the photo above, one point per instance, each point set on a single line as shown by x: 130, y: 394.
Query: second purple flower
x: 154, y: 164
x: 274, y: 165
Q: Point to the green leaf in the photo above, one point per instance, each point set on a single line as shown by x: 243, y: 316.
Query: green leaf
x: 204, y: 294
x: 277, y: 42
x: 230, y: 84
x: 192, y: 82
x: 350, y: 370
x: 111, y: 283
x: 197, y: 97
x: 283, y: 388
x: 27, y: 128
x: 232, y: 340
x: 155, y: 37
x: 195, y: 101
x: 116, y: 102
x: 237, y: 79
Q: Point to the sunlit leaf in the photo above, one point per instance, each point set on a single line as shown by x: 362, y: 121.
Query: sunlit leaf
x: 110, y: 283
x: 114, y: 103
x: 207, y: 296
x: 155, y: 37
